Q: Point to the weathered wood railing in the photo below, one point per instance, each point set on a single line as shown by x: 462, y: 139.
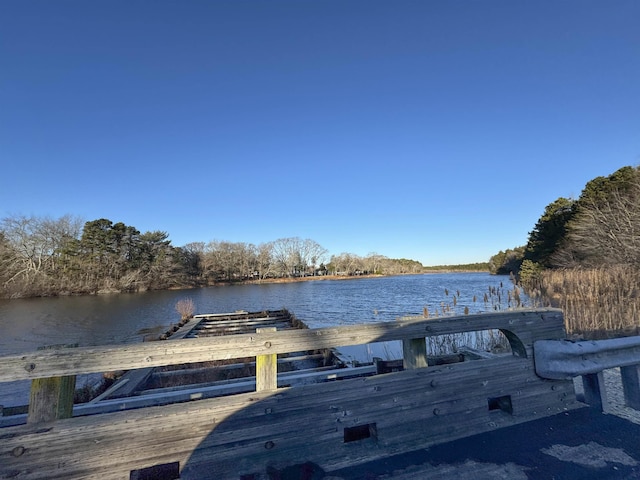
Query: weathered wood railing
x: 333, y: 424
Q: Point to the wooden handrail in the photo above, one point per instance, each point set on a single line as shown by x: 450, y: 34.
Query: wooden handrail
x: 52, y: 363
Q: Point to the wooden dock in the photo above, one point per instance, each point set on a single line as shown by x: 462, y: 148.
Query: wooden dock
x: 333, y: 424
x: 169, y: 384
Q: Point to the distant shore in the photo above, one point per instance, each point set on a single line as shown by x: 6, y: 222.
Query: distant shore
x: 349, y: 277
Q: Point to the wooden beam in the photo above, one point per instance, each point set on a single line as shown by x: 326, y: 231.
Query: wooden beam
x: 240, y: 435
x: 414, y: 352
x: 51, y: 399
x: 526, y: 326
x: 266, y: 366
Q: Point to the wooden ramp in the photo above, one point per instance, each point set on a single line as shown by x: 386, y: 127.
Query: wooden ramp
x: 334, y: 425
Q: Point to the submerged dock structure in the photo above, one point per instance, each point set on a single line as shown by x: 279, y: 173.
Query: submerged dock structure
x: 341, y: 427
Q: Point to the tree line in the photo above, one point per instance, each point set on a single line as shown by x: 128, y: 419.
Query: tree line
x: 42, y: 256
x: 462, y: 267
x: 601, y: 228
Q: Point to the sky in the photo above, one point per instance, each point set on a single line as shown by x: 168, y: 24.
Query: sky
x: 432, y: 130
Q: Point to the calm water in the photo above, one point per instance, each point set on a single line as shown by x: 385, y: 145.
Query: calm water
x: 95, y: 320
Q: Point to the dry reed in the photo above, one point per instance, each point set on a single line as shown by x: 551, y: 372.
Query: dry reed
x: 597, y: 303
x: 186, y: 308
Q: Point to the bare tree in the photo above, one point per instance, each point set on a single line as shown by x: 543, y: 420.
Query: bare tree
x: 264, y: 260
x: 34, y: 243
x: 283, y: 251
x: 605, y: 231
x: 374, y: 262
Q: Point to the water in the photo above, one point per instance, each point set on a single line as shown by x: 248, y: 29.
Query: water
x: 28, y: 324
x: 126, y: 318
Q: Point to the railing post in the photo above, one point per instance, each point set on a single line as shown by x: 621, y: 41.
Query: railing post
x: 631, y: 385
x: 51, y: 398
x: 266, y: 367
x: 414, y: 352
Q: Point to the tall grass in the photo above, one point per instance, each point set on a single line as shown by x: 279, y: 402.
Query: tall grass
x: 505, y: 296
x: 186, y: 308
x: 597, y: 303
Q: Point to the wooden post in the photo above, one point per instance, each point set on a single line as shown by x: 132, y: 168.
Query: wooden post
x: 266, y: 367
x: 51, y: 398
x: 414, y: 351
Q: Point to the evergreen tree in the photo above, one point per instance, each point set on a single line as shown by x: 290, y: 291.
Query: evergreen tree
x: 549, y: 232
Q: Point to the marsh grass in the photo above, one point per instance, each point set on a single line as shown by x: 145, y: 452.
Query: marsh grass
x: 484, y: 340
x: 186, y: 308
x: 504, y: 296
x: 597, y: 303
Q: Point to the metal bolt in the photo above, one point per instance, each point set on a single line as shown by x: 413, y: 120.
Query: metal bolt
x: 30, y: 367
x: 18, y: 451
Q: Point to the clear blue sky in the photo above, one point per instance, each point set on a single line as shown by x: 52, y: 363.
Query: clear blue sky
x: 434, y: 130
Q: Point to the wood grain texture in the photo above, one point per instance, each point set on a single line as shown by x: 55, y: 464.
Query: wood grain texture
x: 243, y: 433
x: 51, y: 399
x: 266, y: 367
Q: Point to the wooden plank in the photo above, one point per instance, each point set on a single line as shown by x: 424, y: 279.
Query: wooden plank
x: 414, y: 352
x: 51, y: 399
x: 242, y: 326
x: 266, y: 367
x: 524, y: 327
x: 245, y: 321
x: 240, y: 434
x: 128, y: 383
x: 183, y: 331
x: 233, y: 366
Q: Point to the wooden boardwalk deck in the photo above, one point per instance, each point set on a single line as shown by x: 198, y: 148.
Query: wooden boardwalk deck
x: 336, y: 425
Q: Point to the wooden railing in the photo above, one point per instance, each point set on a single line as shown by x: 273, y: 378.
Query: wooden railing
x: 333, y: 424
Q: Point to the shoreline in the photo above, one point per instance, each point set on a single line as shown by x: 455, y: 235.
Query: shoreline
x: 244, y: 282
x: 337, y: 277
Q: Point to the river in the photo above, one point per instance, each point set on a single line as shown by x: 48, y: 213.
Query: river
x: 28, y: 324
